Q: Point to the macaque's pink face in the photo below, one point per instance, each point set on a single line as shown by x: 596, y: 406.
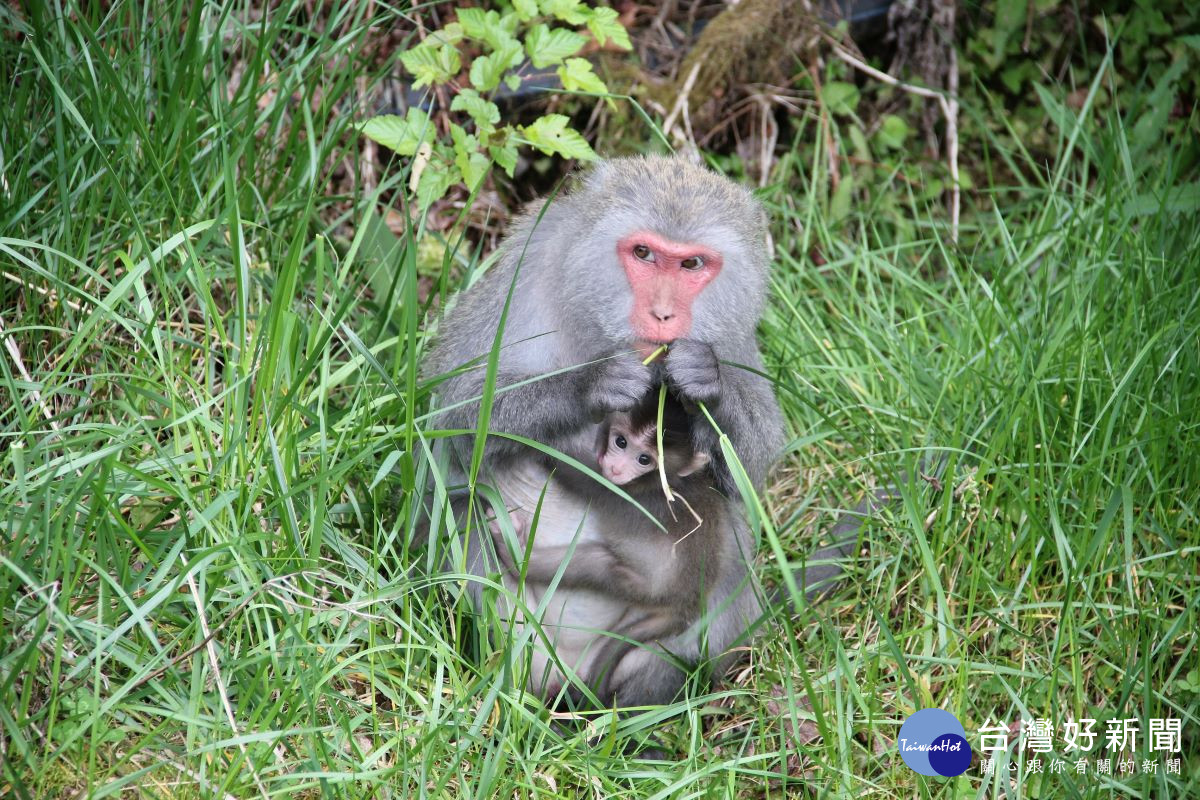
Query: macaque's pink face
x: 627, y: 456
x: 666, y: 277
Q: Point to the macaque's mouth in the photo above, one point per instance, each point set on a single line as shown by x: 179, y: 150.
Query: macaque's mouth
x: 658, y: 332
x: 647, y: 347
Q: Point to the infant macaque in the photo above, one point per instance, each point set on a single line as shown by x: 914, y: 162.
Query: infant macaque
x: 627, y: 450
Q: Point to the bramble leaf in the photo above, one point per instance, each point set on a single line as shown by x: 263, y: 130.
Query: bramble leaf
x: 605, y: 24
x: 547, y: 46
x: 470, y: 162
x: 436, y: 179
x: 552, y: 135
x: 486, y: 71
x: 484, y: 112
x: 504, y: 153
x: 569, y: 11
x: 402, y: 134
x: 474, y: 22
x: 431, y: 64
x: 496, y: 31
x: 526, y: 9
x: 452, y: 33
x: 576, y: 75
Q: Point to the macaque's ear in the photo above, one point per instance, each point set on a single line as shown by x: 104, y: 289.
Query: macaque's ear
x: 699, y: 461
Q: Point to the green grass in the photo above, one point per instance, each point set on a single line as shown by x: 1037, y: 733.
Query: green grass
x: 212, y: 424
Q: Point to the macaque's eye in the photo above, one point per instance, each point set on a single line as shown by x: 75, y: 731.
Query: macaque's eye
x: 643, y: 252
x: 644, y: 460
x: 620, y: 441
x: 692, y: 264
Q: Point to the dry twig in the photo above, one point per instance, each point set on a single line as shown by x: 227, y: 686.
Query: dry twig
x: 681, y: 106
x: 14, y: 353
x: 947, y: 101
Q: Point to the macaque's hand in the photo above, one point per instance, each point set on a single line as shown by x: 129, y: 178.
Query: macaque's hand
x: 693, y: 372
x: 619, y: 385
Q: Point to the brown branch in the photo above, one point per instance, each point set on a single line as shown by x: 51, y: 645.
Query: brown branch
x: 947, y: 101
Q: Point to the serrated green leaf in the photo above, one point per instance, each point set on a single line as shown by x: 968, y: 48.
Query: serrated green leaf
x: 486, y: 71
x: 605, y: 24
x: 547, y: 46
x: 504, y: 153
x: 509, y: 21
x: 577, y: 76
x: 513, y: 82
x: 476, y: 170
x: 431, y: 64
x: 470, y: 162
x: 483, y: 112
x: 511, y: 53
x: 840, y: 97
x: 402, y: 134
x: 553, y: 135
x: 462, y: 140
x: 488, y: 27
x: 893, y: 133
x: 569, y: 11
x: 474, y: 22
x: 452, y: 33
x: 525, y: 9
x: 435, y: 181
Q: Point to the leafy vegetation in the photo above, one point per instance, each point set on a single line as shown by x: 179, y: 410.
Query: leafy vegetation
x: 502, y: 57
x: 1017, y: 45
x: 213, y: 426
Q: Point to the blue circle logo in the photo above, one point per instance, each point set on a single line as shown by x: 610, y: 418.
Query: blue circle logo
x: 933, y: 742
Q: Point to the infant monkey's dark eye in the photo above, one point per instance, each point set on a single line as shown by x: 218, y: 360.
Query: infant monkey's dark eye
x: 644, y: 460
x: 620, y: 441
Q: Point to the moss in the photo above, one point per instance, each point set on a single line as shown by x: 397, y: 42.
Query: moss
x: 755, y: 41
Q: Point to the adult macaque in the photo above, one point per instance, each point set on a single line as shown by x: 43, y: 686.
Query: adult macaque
x: 643, y: 252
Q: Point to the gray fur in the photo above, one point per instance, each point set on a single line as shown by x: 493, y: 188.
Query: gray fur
x: 682, y: 593
x: 634, y: 601
x: 571, y: 306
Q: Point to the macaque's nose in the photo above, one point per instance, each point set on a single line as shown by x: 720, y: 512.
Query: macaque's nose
x: 662, y: 301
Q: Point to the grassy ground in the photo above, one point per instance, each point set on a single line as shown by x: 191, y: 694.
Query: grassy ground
x: 211, y: 421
